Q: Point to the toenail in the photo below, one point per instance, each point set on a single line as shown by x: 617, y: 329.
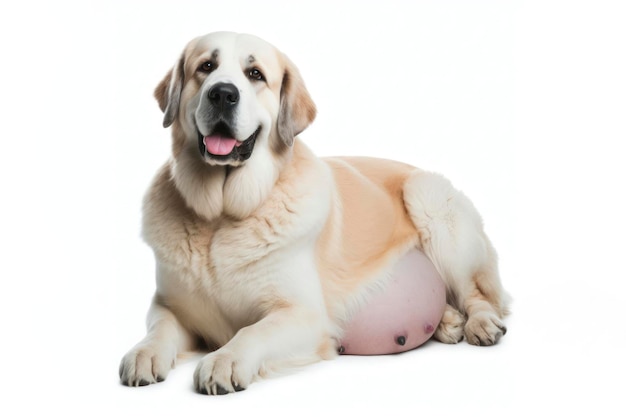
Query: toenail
x: 220, y: 390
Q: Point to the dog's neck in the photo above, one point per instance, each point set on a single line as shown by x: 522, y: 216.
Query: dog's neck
x: 213, y: 191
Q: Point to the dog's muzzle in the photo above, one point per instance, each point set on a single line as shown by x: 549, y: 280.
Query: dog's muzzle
x: 220, y: 145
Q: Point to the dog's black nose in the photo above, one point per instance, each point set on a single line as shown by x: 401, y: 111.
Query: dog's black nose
x: 224, y: 95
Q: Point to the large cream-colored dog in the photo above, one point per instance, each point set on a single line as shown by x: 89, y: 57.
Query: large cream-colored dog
x: 265, y: 251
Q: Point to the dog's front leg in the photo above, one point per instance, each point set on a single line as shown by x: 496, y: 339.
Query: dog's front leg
x: 286, y: 334
x: 151, y: 359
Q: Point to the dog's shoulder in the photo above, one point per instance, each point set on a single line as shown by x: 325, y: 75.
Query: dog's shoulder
x: 169, y: 225
x: 163, y: 202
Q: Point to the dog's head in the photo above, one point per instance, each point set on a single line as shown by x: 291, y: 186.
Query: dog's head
x: 231, y: 93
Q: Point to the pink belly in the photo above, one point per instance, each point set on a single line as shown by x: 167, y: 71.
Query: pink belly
x: 404, y: 316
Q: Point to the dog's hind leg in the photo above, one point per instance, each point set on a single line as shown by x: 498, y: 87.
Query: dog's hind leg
x: 452, y: 236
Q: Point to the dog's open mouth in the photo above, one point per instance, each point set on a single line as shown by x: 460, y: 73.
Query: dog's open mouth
x: 222, y: 146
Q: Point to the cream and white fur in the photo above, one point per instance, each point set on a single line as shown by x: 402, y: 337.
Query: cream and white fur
x: 265, y: 261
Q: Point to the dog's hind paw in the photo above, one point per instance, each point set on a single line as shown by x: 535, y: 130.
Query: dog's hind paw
x: 450, y: 329
x: 484, y: 329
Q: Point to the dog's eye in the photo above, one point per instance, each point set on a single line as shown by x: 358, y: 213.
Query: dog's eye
x: 255, y: 74
x: 207, y: 66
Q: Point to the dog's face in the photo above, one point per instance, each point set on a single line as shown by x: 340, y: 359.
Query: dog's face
x: 230, y: 94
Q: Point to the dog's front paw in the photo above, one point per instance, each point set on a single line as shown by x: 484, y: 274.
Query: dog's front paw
x: 484, y: 329
x: 146, y: 364
x: 222, y: 372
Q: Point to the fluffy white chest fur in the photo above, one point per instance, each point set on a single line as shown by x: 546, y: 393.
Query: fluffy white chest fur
x: 235, y: 271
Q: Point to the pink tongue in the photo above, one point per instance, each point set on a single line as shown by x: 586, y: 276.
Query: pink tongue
x: 219, y: 145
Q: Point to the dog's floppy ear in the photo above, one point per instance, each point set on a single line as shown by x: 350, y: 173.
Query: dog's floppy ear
x: 297, y: 109
x: 168, y: 92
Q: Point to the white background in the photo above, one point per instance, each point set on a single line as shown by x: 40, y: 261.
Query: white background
x: 521, y: 104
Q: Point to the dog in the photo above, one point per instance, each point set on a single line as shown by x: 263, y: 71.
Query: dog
x: 263, y: 250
